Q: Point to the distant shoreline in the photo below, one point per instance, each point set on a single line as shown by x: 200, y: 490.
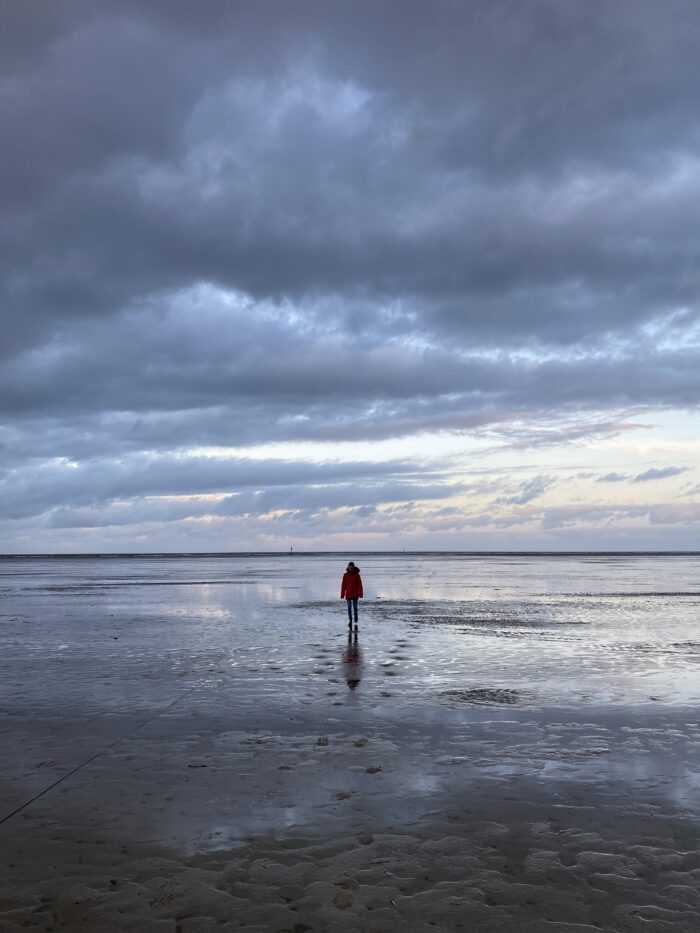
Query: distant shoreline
x: 180, y: 555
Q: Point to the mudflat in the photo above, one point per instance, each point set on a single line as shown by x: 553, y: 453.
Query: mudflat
x: 200, y: 745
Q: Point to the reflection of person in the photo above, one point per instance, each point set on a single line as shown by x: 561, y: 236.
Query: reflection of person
x: 351, y: 590
x: 352, y: 663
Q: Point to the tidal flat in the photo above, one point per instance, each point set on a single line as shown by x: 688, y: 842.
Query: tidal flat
x: 194, y: 744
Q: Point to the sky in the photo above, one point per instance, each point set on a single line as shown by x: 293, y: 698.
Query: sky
x: 349, y: 276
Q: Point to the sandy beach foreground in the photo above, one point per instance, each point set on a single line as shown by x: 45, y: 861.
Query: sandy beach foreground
x: 234, y: 776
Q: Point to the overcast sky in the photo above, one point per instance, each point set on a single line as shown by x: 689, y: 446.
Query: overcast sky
x: 349, y: 275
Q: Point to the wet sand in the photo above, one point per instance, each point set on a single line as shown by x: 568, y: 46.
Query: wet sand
x: 302, y: 782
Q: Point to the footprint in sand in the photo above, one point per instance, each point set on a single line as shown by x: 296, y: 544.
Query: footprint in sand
x: 161, y: 900
x: 348, y: 884
x: 343, y: 900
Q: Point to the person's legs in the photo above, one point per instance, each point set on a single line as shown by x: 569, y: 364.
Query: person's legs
x: 349, y: 602
x: 354, y: 606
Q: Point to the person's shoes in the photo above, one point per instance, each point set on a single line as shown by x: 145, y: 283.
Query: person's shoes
x: 356, y: 629
x: 350, y: 625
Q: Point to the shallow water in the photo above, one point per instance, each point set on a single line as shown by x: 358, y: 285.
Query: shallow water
x: 515, y: 630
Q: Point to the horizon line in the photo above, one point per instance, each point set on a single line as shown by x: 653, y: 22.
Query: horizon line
x: 402, y: 551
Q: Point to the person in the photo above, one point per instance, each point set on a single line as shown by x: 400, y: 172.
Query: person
x: 351, y: 590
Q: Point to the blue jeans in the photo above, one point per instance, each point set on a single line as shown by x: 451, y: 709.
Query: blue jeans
x: 352, y: 604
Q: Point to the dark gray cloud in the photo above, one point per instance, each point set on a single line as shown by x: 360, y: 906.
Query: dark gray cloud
x: 234, y: 224
x: 99, y: 481
x: 658, y: 473
x: 295, y: 502
x: 613, y: 478
x: 529, y: 490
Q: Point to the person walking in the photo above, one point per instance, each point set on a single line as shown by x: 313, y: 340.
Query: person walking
x: 351, y: 591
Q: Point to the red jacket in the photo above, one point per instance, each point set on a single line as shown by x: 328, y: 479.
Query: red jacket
x: 351, y: 587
